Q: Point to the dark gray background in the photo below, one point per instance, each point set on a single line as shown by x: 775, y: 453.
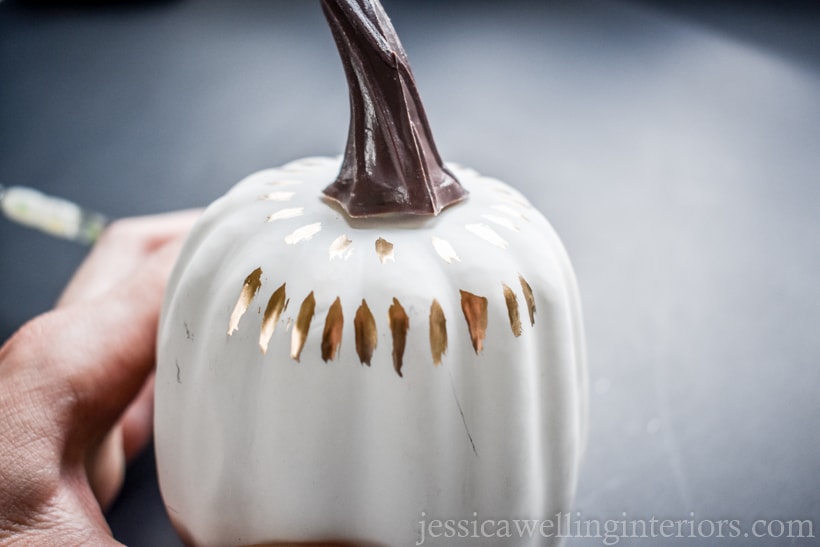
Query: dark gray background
x: 675, y: 146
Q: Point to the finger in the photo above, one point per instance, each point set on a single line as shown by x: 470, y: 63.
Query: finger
x: 105, y: 467
x: 90, y: 360
x: 120, y: 357
x: 82, y: 365
x: 138, y: 421
x: 105, y: 464
x: 121, y: 249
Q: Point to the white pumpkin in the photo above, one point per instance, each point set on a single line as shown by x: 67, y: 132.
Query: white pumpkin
x: 326, y: 378
x: 260, y: 438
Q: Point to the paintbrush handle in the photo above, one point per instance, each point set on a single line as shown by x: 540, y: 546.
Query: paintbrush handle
x: 51, y: 215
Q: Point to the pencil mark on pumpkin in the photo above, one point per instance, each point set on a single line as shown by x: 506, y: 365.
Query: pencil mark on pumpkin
x: 461, y: 411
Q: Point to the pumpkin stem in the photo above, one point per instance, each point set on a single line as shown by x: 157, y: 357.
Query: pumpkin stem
x: 391, y: 165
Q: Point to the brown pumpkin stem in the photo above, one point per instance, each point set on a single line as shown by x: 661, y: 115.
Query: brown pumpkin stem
x: 391, y: 165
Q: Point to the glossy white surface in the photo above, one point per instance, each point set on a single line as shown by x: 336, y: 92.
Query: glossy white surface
x: 257, y: 447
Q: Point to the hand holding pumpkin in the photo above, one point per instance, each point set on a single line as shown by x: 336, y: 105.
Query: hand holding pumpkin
x: 75, y: 396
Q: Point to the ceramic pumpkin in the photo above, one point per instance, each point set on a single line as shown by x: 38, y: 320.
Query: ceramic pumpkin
x: 353, y: 347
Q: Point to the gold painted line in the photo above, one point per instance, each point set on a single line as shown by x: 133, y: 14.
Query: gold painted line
x: 399, y: 325
x: 528, y: 297
x: 445, y: 250
x: 284, y: 214
x: 276, y: 305
x: 501, y: 221
x: 249, y: 289
x: 302, y: 326
x: 277, y: 196
x: 332, y: 335
x: 475, y: 313
x: 510, y: 211
x: 438, y: 332
x: 512, y: 310
x: 340, y: 248
x: 304, y: 233
x: 510, y: 196
x: 366, y: 335
x: 384, y: 249
x: 515, y: 200
x: 487, y: 234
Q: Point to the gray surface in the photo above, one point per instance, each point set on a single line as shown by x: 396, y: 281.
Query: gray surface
x: 675, y: 149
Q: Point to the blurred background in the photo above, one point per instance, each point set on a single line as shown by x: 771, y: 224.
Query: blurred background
x: 675, y: 146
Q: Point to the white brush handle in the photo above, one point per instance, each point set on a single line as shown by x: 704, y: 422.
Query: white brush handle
x: 54, y: 216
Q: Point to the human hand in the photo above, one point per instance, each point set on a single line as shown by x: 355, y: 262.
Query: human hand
x: 76, y: 388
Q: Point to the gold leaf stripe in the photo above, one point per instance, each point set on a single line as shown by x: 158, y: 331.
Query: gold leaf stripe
x: 276, y: 305
x: 340, y: 248
x: 528, y: 297
x: 504, y: 222
x: 475, y: 312
x: 332, y: 335
x: 487, y: 234
x: 284, y: 214
x: 512, y: 310
x: 385, y: 250
x: 438, y: 332
x: 304, y: 233
x: 249, y: 289
x: 510, y: 211
x: 445, y: 250
x: 301, y: 327
x: 399, y: 325
x: 366, y: 335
